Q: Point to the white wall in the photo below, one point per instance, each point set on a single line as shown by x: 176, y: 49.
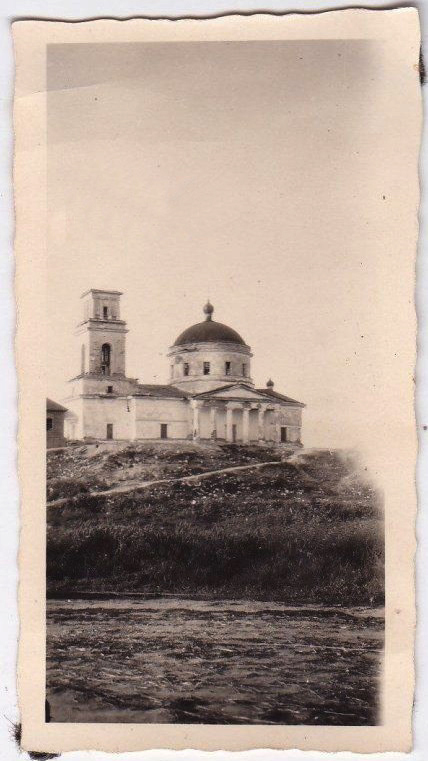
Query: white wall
x: 99, y: 411
x: 217, y: 355
x: 151, y: 413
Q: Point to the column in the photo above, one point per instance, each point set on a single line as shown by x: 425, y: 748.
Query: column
x: 131, y: 406
x: 196, y: 427
x: 213, y: 418
x: 229, y: 421
x: 260, y: 421
x: 277, y: 427
x: 246, y: 425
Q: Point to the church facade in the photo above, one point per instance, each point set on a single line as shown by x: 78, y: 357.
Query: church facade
x: 210, y: 394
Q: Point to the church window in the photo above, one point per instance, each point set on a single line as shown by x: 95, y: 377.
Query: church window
x: 186, y: 368
x: 105, y: 359
x: 109, y: 389
x: 206, y: 368
x: 105, y: 313
x: 227, y: 368
x: 83, y: 359
x: 49, y: 423
x: 284, y: 434
x: 244, y: 370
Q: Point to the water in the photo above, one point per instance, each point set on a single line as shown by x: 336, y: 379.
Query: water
x: 191, y: 661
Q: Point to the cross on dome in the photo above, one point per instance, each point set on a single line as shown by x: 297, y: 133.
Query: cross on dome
x: 208, y: 310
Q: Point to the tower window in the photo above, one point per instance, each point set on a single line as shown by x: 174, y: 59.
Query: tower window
x: 49, y: 423
x: 186, y: 368
x: 105, y: 313
x: 105, y: 359
x: 227, y: 368
x: 244, y: 370
x: 109, y: 389
x: 206, y: 368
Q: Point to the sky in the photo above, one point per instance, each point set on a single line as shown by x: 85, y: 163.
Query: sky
x: 252, y: 173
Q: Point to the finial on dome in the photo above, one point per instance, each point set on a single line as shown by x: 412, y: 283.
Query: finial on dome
x: 270, y: 383
x: 208, y: 310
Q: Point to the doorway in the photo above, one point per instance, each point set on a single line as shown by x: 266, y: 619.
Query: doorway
x: 164, y: 431
x: 234, y: 433
x: 283, y: 434
x: 109, y: 430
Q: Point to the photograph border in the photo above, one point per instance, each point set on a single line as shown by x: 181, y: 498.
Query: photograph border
x: 30, y: 178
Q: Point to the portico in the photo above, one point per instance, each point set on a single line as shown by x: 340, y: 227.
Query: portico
x: 242, y: 421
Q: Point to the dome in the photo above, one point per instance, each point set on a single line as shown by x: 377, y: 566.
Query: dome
x: 209, y: 331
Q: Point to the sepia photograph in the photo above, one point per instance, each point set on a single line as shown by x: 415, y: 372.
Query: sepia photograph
x: 219, y: 422
x: 208, y: 559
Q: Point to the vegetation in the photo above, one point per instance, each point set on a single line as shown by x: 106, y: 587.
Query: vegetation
x: 306, y: 530
x: 79, y: 470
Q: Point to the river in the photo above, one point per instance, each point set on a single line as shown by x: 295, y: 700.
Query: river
x: 192, y: 661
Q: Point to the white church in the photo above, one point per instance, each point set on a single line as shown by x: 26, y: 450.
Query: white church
x: 209, y: 396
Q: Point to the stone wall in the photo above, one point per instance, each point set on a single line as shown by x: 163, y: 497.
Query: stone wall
x: 91, y: 336
x: 55, y: 436
x: 151, y: 413
x: 98, y: 412
x: 100, y: 385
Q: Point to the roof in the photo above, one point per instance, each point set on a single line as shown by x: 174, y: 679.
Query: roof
x: 155, y: 389
x: 51, y: 406
x: 276, y: 395
x: 209, y: 331
x: 224, y: 388
x: 262, y: 391
x: 99, y: 290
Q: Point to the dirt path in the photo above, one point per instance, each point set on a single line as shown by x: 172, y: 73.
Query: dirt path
x: 145, y: 484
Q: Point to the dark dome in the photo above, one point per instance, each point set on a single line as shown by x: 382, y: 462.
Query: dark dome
x: 209, y: 331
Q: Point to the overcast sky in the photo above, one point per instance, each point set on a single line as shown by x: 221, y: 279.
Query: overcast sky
x: 242, y: 171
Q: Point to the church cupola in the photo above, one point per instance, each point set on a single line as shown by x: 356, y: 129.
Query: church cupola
x: 209, y: 355
x: 270, y: 384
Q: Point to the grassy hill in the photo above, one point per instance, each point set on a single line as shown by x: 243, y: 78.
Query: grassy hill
x: 308, y: 529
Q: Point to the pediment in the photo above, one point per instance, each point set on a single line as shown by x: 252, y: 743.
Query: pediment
x: 237, y: 391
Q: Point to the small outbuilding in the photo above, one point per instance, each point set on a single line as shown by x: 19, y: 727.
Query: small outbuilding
x: 55, y: 414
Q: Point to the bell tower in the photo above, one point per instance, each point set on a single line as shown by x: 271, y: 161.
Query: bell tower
x: 102, y: 335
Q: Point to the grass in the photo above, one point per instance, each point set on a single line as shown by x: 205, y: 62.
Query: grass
x: 79, y: 470
x: 306, y: 530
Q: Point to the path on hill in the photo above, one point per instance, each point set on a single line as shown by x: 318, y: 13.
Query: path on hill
x: 123, y: 488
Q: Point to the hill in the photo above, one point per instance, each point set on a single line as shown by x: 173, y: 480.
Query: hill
x: 308, y: 529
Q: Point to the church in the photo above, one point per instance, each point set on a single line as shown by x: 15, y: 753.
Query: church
x: 210, y: 394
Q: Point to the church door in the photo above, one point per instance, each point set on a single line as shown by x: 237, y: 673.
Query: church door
x: 164, y: 431
x: 283, y: 434
x: 234, y: 434
x: 109, y: 430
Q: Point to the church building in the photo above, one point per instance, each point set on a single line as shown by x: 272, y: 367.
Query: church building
x: 210, y: 394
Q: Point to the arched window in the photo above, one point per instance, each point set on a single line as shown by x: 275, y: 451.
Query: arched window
x: 105, y: 359
x: 83, y: 359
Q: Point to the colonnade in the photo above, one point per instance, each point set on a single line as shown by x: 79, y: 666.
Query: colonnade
x: 230, y: 407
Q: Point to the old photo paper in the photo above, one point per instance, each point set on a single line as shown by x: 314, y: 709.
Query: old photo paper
x: 216, y: 235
